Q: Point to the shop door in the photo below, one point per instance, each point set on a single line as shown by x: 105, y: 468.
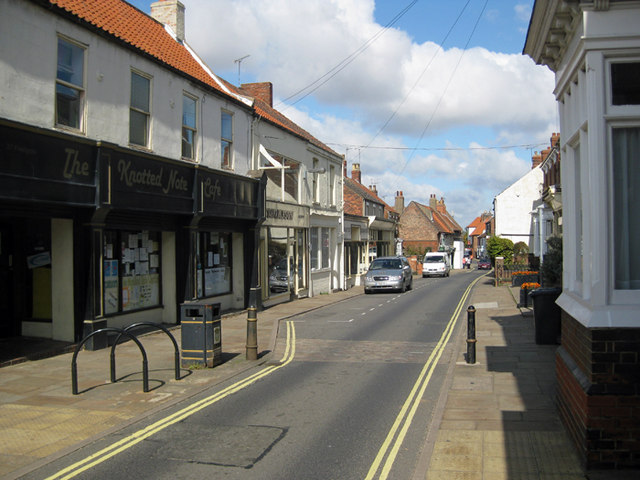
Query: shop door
x: 7, y: 321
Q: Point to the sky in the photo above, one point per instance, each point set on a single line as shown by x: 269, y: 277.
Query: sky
x: 428, y: 96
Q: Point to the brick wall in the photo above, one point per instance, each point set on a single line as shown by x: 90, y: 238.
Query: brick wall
x: 598, y: 372
x: 415, y: 227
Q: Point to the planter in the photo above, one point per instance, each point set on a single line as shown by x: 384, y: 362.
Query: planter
x: 524, y: 297
x: 546, y: 315
x: 520, y: 278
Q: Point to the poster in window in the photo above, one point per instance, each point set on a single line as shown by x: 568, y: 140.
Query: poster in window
x: 142, y: 291
x: 110, y: 286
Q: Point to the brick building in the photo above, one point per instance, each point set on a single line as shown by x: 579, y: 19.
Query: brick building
x: 427, y: 228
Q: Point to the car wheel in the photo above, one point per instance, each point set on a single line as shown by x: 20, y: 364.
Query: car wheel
x: 403, y: 288
x: 410, y: 286
x: 367, y: 291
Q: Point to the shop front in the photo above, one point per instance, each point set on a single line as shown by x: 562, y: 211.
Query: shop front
x: 381, y: 238
x: 143, y: 201
x: 222, y: 239
x: 356, y: 237
x: 284, y: 253
x: 47, y: 192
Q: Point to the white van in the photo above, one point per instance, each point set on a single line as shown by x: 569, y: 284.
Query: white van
x: 436, y: 263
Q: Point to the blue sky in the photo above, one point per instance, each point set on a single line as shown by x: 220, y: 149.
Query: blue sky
x: 462, y: 109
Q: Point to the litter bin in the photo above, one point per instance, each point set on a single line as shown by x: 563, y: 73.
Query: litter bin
x: 201, y: 332
x: 546, y: 315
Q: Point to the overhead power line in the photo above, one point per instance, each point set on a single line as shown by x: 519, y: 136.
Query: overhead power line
x: 316, y: 84
x: 436, y: 149
x: 391, y: 117
x: 426, y: 127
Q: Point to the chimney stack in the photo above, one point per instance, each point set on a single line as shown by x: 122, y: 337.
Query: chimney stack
x: 356, y: 174
x: 171, y: 13
x: 261, y: 90
x: 536, y: 160
x: 373, y: 189
x: 399, y: 203
x: 433, y: 201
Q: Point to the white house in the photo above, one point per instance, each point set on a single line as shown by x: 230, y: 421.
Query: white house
x: 301, y: 241
x: 513, y: 208
x: 593, y: 47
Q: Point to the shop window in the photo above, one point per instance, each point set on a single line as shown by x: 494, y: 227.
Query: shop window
x: 325, y: 247
x: 131, y: 271
x: 226, y: 140
x: 189, y: 127
x: 140, y: 110
x: 38, y: 256
x: 315, y: 251
x: 320, y: 248
x: 213, y: 264
x: 70, y: 85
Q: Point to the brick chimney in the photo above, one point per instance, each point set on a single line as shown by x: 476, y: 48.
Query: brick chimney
x: 344, y: 167
x: 433, y: 202
x: 536, y: 159
x: 399, y: 203
x: 171, y: 13
x: 356, y: 174
x: 261, y: 90
x: 373, y: 189
x: 440, y: 206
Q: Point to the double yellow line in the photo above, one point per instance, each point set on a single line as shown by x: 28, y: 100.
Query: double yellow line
x: 128, y: 442
x: 396, y: 435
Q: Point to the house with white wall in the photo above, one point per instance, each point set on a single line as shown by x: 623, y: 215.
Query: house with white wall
x: 301, y: 240
x: 514, y: 206
x: 593, y: 48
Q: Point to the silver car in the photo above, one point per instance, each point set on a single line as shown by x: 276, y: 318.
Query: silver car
x: 388, y: 273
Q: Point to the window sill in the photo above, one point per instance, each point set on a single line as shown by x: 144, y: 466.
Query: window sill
x: 140, y: 148
x: 598, y: 316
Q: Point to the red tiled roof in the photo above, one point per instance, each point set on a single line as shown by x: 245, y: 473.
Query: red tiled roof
x: 136, y: 28
x: 441, y: 219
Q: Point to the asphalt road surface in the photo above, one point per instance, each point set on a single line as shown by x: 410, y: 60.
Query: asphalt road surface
x: 350, y: 394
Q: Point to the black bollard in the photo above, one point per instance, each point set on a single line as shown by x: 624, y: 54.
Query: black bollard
x: 471, y: 334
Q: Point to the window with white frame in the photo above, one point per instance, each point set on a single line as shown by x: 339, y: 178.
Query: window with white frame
x: 624, y: 136
x: 140, y: 109
x: 315, y: 196
x: 626, y: 206
x: 189, y: 129
x: 578, y: 218
x: 226, y: 140
x: 70, y: 91
x: 332, y: 185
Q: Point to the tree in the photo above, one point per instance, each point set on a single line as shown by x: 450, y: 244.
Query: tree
x: 500, y: 247
x: 551, y: 268
x: 520, y: 252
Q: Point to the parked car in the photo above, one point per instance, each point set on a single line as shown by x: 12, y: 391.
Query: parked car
x: 484, y: 264
x: 388, y: 273
x: 436, y: 263
x: 279, y: 280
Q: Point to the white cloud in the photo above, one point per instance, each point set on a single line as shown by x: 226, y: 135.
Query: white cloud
x: 505, y: 97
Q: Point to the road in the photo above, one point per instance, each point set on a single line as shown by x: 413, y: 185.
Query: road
x: 350, y: 393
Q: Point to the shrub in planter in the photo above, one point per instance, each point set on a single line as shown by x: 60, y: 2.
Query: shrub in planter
x: 518, y: 278
x: 525, y: 290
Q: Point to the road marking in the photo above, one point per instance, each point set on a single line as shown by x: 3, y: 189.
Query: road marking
x: 400, y: 427
x: 340, y: 321
x: 128, y: 442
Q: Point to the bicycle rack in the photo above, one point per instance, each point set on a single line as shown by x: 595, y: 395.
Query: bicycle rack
x: 74, y: 366
x: 145, y: 324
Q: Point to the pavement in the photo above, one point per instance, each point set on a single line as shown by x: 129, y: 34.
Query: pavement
x: 496, y: 419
